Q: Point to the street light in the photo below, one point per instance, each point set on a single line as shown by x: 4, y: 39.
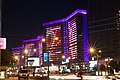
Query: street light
x: 25, y: 52
x: 63, y: 57
x: 108, y: 65
x: 92, y: 51
x: 34, y: 50
x: 17, y: 63
x: 43, y: 40
x: 16, y: 58
x: 98, y: 60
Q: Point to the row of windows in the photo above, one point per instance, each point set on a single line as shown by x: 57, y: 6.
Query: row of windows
x: 103, y: 21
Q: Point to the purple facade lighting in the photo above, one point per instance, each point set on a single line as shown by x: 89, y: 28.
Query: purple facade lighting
x: 65, y: 41
x: 36, y: 39
x: 18, y: 48
x: 84, y: 26
x: 85, y: 38
x: 65, y: 19
x: 33, y: 43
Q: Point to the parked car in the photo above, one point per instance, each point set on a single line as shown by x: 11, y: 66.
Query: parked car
x: 11, y: 74
x: 79, y: 74
x: 23, y: 74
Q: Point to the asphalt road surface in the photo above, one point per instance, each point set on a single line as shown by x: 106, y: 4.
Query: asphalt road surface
x: 16, y: 78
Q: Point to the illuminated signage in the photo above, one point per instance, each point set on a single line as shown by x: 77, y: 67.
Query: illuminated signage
x: 2, y: 43
x: 93, y: 63
x: 46, y: 57
x: 33, y: 61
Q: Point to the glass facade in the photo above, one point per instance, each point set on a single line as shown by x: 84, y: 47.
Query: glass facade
x: 103, y: 28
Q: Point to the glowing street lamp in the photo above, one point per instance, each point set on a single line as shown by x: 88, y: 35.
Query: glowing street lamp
x: 34, y: 50
x: 22, y: 56
x: 43, y: 39
x: 92, y: 50
x: 16, y: 58
x: 99, y: 51
x: 63, y: 57
x: 69, y: 57
x: 25, y: 51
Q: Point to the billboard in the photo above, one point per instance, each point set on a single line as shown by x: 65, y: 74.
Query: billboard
x: 2, y: 43
x: 46, y: 57
x: 33, y: 61
x: 93, y: 63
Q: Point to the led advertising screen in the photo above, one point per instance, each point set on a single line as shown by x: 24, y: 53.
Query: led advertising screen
x: 46, y: 57
x: 33, y: 61
x: 53, y: 42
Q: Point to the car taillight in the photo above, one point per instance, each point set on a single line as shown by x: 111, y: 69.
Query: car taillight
x: 28, y: 73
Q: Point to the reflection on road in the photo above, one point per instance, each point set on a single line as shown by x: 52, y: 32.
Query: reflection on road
x: 70, y: 77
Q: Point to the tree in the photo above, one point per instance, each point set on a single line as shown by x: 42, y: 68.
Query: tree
x: 6, y: 57
x: 102, y: 67
x: 114, y: 65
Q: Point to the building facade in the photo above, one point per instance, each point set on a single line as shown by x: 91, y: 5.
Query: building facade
x: 72, y: 37
x: 104, y: 26
x: 18, y: 56
x: 33, y: 51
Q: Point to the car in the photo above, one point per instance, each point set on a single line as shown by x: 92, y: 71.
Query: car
x: 14, y: 74
x: 23, y: 74
x: 79, y: 74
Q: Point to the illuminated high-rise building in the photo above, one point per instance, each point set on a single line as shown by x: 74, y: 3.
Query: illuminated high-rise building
x: 104, y: 26
x: 72, y: 39
x: 33, y: 48
x: 18, y: 52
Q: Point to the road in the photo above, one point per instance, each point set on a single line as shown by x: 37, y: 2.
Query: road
x: 15, y: 78
x: 63, y: 78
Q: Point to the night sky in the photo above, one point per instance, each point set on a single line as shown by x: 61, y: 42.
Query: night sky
x: 23, y: 19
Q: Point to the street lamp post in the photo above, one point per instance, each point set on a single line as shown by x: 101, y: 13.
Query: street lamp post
x: 34, y: 51
x: 92, y: 50
x: 108, y: 65
x: 43, y: 40
x: 17, y: 60
x: 25, y: 52
x: 98, y: 61
x: 48, y: 65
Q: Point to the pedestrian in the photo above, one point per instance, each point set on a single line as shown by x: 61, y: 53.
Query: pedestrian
x: 33, y: 73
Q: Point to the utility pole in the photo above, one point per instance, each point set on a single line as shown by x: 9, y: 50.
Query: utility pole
x: 48, y: 65
x: 0, y: 27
